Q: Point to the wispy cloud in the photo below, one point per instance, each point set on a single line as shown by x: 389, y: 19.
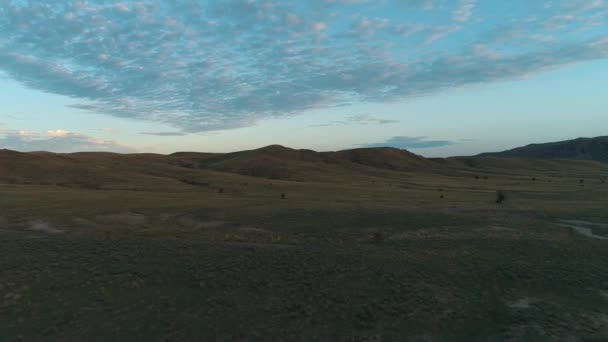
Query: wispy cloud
x: 165, y: 134
x: 212, y: 65
x: 357, y: 119
x: 56, y: 141
x: 404, y: 142
x: 464, y: 10
x: 107, y: 130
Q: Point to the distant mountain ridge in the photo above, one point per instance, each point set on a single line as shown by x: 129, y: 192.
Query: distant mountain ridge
x: 595, y: 149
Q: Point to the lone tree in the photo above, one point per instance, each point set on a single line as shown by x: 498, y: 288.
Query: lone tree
x: 500, y: 196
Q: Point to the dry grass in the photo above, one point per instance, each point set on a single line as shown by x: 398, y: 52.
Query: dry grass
x: 150, y: 250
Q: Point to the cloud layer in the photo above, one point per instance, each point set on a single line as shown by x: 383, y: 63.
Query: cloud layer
x: 357, y: 119
x: 209, y: 65
x: 57, y: 141
x: 404, y: 142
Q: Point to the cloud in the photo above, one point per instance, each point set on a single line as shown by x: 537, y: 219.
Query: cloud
x: 56, y: 141
x: 404, y: 142
x: 165, y: 134
x: 357, y: 119
x: 58, y: 133
x: 213, y: 65
x: 464, y: 10
x: 107, y: 130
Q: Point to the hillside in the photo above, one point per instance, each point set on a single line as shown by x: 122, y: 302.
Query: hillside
x: 183, y: 170
x: 279, y: 162
x: 579, y: 149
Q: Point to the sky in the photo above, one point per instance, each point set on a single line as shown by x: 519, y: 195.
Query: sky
x: 436, y: 77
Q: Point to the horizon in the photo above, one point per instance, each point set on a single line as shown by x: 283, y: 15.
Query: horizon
x: 300, y: 149
x: 438, y: 78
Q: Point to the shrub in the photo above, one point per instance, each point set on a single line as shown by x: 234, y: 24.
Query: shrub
x: 220, y: 190
x: 378, y: 237
x: 500, y: 196
x: 441, y: 196
x: 283, y: 196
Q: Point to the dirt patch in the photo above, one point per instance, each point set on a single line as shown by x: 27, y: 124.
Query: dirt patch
x: 164, y: 217
x: 127, y: 218
x: 193, y: 222
x: 83, y: 221
x: 584, y: 223
x: 257, y: 245
x: 496, y: 229
x: 253, y: 229
x: 522, y: 303
x: 584, y: 228
x: 44, y: 226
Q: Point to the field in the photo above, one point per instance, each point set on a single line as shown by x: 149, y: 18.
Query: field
x: 278, y: 245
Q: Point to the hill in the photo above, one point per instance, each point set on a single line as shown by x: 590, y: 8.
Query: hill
x: 155, y: 172
x: 579, y: 149
x: 279, y: 162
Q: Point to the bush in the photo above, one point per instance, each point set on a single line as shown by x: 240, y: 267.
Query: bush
x: 378, y: 237
x: 283, y: 196
x: 220, y: 190
x: 500, y: 196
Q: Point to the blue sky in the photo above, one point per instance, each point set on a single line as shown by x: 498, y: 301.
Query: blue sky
x: 438, y: 77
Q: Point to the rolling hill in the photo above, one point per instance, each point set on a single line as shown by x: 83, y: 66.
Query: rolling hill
x: 579, y: 149
x: 191, y: 170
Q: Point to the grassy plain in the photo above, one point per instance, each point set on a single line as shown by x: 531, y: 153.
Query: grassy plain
x: 102, y: 247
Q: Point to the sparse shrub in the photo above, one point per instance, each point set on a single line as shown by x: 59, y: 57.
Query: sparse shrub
x: 441, y: 196
x: 582, y: 181
x: 500, y: 196
x: 603, y: 179
x: 220, y: 190
x: 476, y: 177
x: 378, y: 237
x: 485, y: 177
x: 533, y: 178
x: 283, y: 196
